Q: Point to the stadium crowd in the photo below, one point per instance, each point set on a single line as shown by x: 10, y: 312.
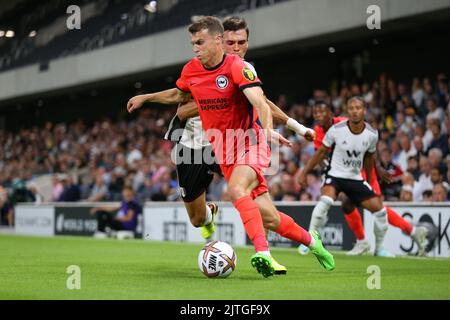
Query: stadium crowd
x: 94, y: 162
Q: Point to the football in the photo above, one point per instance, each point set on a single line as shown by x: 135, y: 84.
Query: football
x: 217, y: 260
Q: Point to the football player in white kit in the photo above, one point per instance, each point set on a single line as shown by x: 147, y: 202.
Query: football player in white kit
x: 353, y: 144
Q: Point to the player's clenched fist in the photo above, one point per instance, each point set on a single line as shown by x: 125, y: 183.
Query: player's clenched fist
x: 310, y: 135
x: 136, y: 102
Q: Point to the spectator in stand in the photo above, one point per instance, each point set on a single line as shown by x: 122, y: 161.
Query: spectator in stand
x: 408, y: 150
x: 290, y: 196
x: 287, y: 183
x: 439, y: 140
x: 71, y: 191
x: 417, y: 93
x: 58, y: 187
x: 418, y: 145
x: 275, y: 191
x: 164, y: 186
x: 33, y: 188
x: 437, y: 178
x: 406, y: 193
x: 314, y: 186
x: 435, y: 156
x: 434, y: 111
x: 408, y: 180
x: 442, y: 89
x: 123, y: 217
x: 305, y: 196
x: 99, y: 191
x: 440, y: 194
x: 395, y: 151
x: 424, y: 182
x: 413, y: 167
x: 427, y: 196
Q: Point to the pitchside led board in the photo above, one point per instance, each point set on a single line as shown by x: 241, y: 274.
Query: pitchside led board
x: 401, y: 244
x: 169, y: 222
x: 60, y: 220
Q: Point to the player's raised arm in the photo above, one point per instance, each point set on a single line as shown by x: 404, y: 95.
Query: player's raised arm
x: 290, y: 123
x: 170, y: 96
x: 256, y: 97
x: 312, y: 163
x: 187, y: 110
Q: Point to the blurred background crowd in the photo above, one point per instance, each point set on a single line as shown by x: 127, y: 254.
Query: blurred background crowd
x: 94, y: 161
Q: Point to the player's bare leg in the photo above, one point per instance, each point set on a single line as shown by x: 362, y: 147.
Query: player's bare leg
x: 355, y: 224
x: 240, y: 185
x: 202, y: 215
x: 375, y: 205
x: 197, y: 211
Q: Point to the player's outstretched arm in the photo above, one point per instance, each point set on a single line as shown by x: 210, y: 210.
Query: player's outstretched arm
x: 368, y: 165
x: 170, y: 96
x: 292, y: 124
x: 256, y: 97
x: 187, y: 110
x: 312, y: 163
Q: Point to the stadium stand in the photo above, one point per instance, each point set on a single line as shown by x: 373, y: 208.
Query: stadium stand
x: 97, y: 159
x: 60, y: 158
x: 105, y: 22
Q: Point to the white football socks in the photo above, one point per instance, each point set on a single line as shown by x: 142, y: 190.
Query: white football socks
x: 320, y: 213
x: 267, y: 253
x: 380, y: 227
x: 208, y: 217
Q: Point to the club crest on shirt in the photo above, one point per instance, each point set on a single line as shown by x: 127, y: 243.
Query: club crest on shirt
x: 221, y: 82
x: 248, y: 74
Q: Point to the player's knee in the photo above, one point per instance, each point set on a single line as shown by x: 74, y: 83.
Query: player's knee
x: 197, y: 222
x: 376, y: 205
x: 236, y: 192
x: 326, y: 201
x: 347, y: 207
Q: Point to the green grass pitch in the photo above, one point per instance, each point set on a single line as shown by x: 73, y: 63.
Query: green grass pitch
x: 35, y: 268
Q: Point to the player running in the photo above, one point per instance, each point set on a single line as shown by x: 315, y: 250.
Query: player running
x: 223, y: 86
x: 323, y: 115
x: 353, y: 145
x: 236, y: 34
x: 186, y: 130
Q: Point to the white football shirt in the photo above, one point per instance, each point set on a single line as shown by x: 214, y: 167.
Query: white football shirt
x: 348, y: 149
